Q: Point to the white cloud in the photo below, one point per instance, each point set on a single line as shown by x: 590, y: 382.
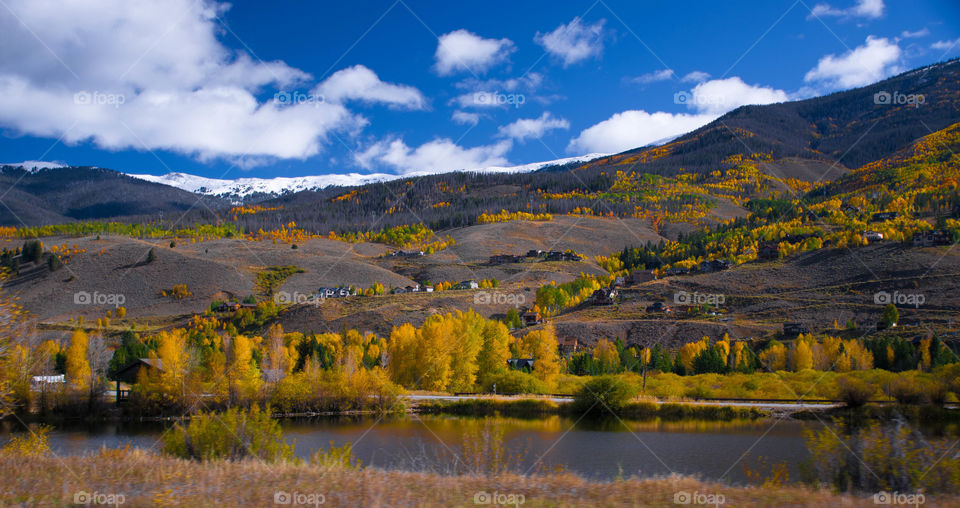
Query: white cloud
x: 170, y: 84
x: 533, y: 128
x: 907, y: 34
x: 574, y: 41
x: 863, y: 8
x: 439, y: 155
x: 461, y: 50
x: 635, y: 128
x: 721, y: 95
x: 489, y: 93
x: 946, y: 45
x: 653, y: 77
x: 695, y: 77
x: 465, y: 118
x: 878, y: 58
x: 360, y: 83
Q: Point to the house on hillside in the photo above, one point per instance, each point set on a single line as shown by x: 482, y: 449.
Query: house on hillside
x: 641, y: 276
x: 131, y: 371
x: 467, y: 284
x: 714, y: 265
x: 931, y: 238
x: 872, y: 236
x: 524, y: 364
x: 883, y: 216
x: 568, y: 346
x: 794, y: 329
x: 603, y: 296
x: 398, y: 291
x: 678, y: 270
x: 534, y: 253
x: 531, y: 318
x: 500, y: 259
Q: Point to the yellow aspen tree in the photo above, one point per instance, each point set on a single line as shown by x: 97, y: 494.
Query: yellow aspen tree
x: 78, y: 368
x: 606, y: 356
x: 542, y: 346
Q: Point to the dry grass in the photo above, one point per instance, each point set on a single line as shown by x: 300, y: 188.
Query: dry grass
x: 150, y: 480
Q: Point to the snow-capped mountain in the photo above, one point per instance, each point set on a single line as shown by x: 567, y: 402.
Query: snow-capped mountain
x: 34, y: 166
x: 240, y: 188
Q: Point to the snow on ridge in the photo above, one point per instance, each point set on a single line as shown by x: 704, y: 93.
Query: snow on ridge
x: 243, y: 187
x: 34, y: 166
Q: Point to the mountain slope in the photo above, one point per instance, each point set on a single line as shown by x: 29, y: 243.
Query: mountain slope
x: 64, y: 194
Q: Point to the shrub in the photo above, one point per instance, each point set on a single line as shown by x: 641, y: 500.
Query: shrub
x: 514, y: 381
x: 151, y: 256
x: 904, y: 391
x: 602, y: 394
x: 336, y: 457
x: 32, y: 443
x: 233, y: 434
x: 32, y: 250
x: 852, y: 391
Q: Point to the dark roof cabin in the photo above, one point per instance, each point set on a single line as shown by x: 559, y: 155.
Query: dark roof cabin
x: 129, y: 373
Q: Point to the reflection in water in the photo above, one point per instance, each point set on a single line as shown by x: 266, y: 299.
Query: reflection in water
x: 599, y: 449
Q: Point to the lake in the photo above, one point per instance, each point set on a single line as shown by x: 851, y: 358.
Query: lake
x: 598, y: 449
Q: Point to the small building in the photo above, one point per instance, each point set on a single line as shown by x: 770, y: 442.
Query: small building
x: 554, y: 255
x: 872, y: 236
x: 426, y: 289
x: 794, y: 329
x: 500, y: 259
x: 467, y: 284
x: 46, y: 381
x: 883, y: 216
x: 525, y: 364
x: 659, y: 307
x: 226, y: 307
x: 398, y: 291
x: 572, y: 256
x: 678, y: 270
x: 619, y: 282
x: 131, y: 371
x: 534, y: 253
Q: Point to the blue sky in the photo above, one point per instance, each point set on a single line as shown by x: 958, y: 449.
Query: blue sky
x: 292, y: 87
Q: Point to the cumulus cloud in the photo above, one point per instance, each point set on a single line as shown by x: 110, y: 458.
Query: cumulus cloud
x: 533, y: 128
x: 907, y: 34
x: 462, y: 50
x: 171, y: 84
x: 635, y: 128
x: 360, y: 83
x: 707, y: 101
x: 863, y: 8
x: 653, y: 77
x: 695, y: 77
x: 573, y: 42
x: 721, y: 95
x: 945, y: 45
x: 437, y: 156
x: 465, y: 118
x: 876, y: 59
